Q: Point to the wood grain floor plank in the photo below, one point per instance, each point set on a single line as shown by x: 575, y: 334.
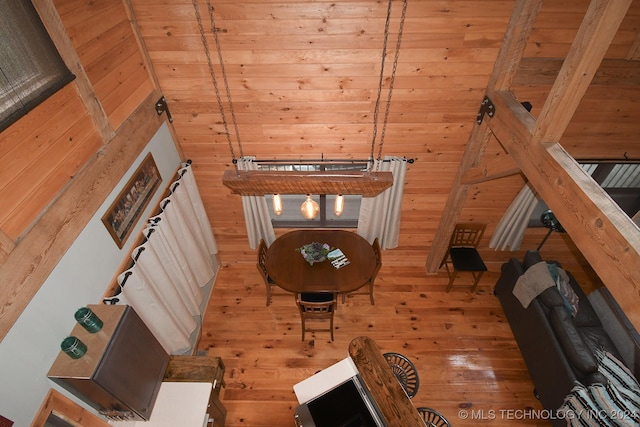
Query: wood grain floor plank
x: 460, y: 342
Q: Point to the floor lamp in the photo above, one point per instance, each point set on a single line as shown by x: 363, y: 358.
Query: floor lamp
x: 550, y: 221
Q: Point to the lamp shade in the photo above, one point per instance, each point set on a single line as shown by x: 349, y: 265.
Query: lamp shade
x: 309, y: 208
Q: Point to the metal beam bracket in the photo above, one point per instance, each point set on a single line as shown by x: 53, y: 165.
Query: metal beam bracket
x: 486, y: 107
x: 161, y: 107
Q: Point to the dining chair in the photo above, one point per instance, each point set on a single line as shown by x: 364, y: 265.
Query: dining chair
x: 463, y: 254
x: 316, y: 307
x: 368, y: 286
x: 432, y: 418
x: 268, y: 281
x: 405, y: 372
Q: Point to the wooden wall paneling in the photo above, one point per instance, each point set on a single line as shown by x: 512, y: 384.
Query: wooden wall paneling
x: 102, y: 69
x: 40, y: 249
x: 34, y: 158
x: 116, y: 71
x: 122, y: 99
x: 144, y: 51
x: 91, y: 52
x: 88, y: 22
x: 634, y: 51
x: 58, y: 33
x: 30, y: 128
x: 30, y: 192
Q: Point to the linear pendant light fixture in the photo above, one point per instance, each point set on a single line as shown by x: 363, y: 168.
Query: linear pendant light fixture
x: 259, y: 183
x: 309, y: 207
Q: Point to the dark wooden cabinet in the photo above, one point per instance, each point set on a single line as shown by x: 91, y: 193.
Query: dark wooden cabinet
x: 121, y: 373
x: 201, y: 369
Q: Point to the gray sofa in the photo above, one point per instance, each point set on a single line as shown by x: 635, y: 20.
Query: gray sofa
x: 559, y: 348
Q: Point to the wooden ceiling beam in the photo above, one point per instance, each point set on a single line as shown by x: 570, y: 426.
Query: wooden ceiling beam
x: 599, y: 26
x: 544, y: 71
x: 499, y: 167
x: 523, y: 18
x: 259, y: 183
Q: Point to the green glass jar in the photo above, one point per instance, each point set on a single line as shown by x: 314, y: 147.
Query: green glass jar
x: 88, y: 319
x: 73, y: 347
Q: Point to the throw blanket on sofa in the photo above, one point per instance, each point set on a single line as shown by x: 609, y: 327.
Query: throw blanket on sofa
x: 534, y: 281
x: 616, y: 403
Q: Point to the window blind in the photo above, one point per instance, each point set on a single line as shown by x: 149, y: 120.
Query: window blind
x: 31, y: 70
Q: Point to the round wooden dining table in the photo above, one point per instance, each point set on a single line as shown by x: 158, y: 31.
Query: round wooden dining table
x: 291, y: 272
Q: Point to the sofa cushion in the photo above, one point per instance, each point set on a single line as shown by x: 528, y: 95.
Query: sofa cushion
x: 618, y: 327
x: 597, y: 339
x: 575, y: 349
x: 586, y: 315
x: 550, y: 297
x: 531, y: 258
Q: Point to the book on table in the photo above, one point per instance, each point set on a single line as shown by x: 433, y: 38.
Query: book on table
x: 338, y: 258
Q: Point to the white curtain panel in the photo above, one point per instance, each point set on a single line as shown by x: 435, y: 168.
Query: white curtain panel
x: 185, y: 268
x: 513, y: 224
x: 380, y: 215
x: 256, y: 211
x: 157, y: 304
x: 189, y: 199
x: 170, y: 268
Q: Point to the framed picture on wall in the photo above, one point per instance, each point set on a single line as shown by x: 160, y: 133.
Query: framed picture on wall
x: 126, y: 209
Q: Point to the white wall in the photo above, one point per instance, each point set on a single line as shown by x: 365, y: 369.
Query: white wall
x: 81, y: 277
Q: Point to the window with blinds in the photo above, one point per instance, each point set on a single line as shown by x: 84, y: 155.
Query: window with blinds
x: 31, y: 69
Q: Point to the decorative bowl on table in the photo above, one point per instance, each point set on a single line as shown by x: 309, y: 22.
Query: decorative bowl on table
x: 314, y: 252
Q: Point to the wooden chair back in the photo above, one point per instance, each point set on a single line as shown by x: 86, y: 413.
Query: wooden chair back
x: 262, y: 255
x: 316, y: 311
x: 467, y: 234
x: 376, y: 250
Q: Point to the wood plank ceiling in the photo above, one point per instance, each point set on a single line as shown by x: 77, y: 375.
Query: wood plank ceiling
x: 303, y: 78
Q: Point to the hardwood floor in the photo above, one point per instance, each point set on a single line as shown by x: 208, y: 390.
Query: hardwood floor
x: 460, y: 343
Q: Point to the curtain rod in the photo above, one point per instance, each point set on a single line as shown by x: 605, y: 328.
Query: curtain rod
x: 321, y: 160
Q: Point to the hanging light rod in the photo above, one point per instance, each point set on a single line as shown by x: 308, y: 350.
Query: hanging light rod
x: 320, y: 161
x: 258, y: 183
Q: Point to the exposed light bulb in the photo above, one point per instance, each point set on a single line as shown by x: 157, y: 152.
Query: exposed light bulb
x: 277, y: 204
x: 309, y: 208
x: 338, y: 207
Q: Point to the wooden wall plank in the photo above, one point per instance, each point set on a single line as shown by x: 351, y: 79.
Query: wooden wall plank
x: 114, y: 67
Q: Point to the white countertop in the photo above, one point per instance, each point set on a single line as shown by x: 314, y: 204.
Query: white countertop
x: 181, y: 404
